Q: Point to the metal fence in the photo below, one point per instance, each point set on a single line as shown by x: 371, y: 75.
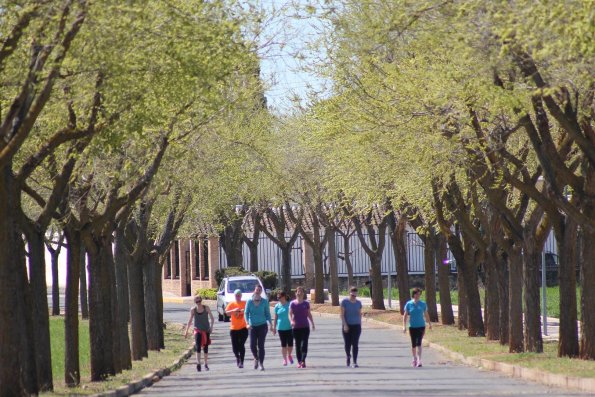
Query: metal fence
x: 269, y: 256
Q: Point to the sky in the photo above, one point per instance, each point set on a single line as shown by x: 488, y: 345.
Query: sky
x: 284, y: 41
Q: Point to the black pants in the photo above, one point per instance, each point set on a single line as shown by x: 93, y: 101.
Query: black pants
x: 257, y: 336
x: 417, y: 335
x: 286, y: 338
x: 301, y: 336
x: 238, y: 341
x: 351, y: 339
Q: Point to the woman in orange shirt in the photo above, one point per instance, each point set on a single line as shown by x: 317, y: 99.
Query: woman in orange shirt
x: 238, y: 330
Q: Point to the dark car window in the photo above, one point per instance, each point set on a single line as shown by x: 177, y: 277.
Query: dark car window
x: 242, y: 285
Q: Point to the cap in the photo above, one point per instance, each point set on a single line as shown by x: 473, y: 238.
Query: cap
x: 237, y: 292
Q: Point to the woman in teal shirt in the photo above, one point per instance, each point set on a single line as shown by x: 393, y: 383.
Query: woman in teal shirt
x: 415, y: 311
x: 282, y: 325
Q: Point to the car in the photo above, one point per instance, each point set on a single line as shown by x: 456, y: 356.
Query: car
x: 228, y: 285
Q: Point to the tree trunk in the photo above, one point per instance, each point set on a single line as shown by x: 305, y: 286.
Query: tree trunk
x: 13, y: 380
x: 74, y: 259
x: 121, y: 263
x: 502, y: 281
x: 159, y: 305
x: 136, y: 295
x: 55, y: 255
x: 459, y: 253
x: 286, y: 268
x: 492, y: 297
x: 347, y: 256
x: 152, y: 318
x: 587, y: 342
x: 399, y: 238
x: 232, y: 243
x: 531, y: 266
x: 101, y: 322
x: 446, y: 314
x: 430, y: 275
x: 318, y: 272
x: 41, y: 330
x: 474, y: 316
x: 566, y: 233
x: 515, y: 301
x: 376, y: 276
x: 334, y: 271
x: 83, y: 281
x: 253, y: 248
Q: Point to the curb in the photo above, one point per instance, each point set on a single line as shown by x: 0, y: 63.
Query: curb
x: 514, y: 371
x: 149, y: 379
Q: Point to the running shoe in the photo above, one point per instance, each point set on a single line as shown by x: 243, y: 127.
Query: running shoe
x: 418, y: 364
x: 303, y: 364
x: 255, y: 364
x: 290, y: 359
x: 206, y: 367
x: 299, y: 365
x: 285, y: 363
x: 349, y: 361
x: 355, y: 365
x: 198, y: 367
x: 261, y: 367
x: 414, y: 363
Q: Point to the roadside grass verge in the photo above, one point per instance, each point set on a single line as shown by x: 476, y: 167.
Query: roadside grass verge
x: 175, y: 344
x: 457, y: 341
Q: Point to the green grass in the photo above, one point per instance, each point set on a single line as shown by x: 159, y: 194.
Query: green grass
x: 175, y: 344
x: 458, y: 341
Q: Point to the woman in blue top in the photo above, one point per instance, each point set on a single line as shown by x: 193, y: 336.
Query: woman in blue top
x: 282, y: 325
x: 415, y: 311
x: 257, y: 315
x: 351, y: 317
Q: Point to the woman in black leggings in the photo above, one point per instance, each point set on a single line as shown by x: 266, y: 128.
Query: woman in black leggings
x: 351, y: 317
x: 299, y: 314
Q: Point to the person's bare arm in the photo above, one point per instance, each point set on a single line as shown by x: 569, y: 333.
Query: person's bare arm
x: 189, y: 322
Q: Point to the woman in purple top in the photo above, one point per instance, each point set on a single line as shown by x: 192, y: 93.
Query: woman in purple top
x: 299, y: 314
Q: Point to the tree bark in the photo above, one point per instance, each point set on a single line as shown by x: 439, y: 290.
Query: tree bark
x: 347, y: 258
x: 398, y: 235
x: 430, y: 275
x: 475, y: 318
x: 376, y: 276
x: 41, y: 330
x: 152, y: 317
x: 83, y: 280
x: 446, y: 313
x: 55, y: 255
x: 286, y: 268
x: 492, y: 296
x: 531, y: 267
x: 334, y: 271
x: 503, y: 294
x: 587, y: 341
x: 13, y: 380
x: 101, y: 322
x: 515, y: 300
x: 565, y: 231
x: 138, y: 330
x: 121, y: 263
x: 232, y: 240
x: 74, y: 261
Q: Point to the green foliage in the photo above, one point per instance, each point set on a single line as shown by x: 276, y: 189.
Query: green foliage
x: 269, y: 279
x: 207, y: 293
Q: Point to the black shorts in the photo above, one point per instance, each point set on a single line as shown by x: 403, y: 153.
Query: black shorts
x: 417, y: 334
x: 286, y: 338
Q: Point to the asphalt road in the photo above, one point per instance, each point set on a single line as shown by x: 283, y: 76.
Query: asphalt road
x: 385, y: 369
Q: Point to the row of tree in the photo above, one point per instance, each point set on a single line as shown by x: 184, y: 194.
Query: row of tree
x: 477, y: 120
x: 106, y: 111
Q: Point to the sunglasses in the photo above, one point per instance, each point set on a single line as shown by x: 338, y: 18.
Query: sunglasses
x: 198, y: 301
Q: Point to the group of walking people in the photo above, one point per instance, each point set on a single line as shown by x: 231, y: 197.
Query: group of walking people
x: 293, y: 322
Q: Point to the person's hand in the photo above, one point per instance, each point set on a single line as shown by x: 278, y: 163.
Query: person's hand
x: 292, y: 324
x: 345, y: 328
x: 430, y: 325
x: 313, y: 327
x: 404, y: 330
x: 211, y: 330
x: 248, y: 327
x: 274, y: 331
